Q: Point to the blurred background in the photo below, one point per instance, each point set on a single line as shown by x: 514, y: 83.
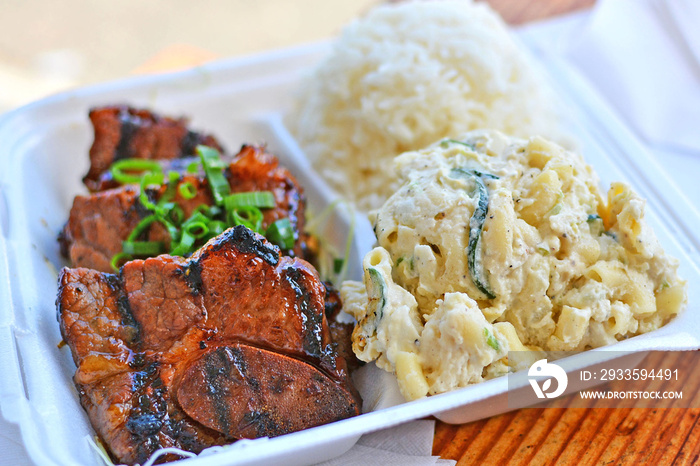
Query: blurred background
x: 48, y: 46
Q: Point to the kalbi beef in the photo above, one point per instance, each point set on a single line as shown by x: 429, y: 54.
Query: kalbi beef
x: 99, y: 222
x: 124, y: 132
x: 340, y: 332
x: 231, y: 343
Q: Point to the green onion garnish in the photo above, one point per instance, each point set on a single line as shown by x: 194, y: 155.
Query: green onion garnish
x: 163, y: 208
x: 176, y: 214
x: 141, y: 227
x: 165, y: 202
x: 122, y: 170
x: 119, y: 259
x: 146, y: 180
x: 143, y: 248
x: 197, y: 225
x: 216, y: 227
x: 260, y: 199
x: 187, y: 190
x: 250, y: 217
x: 338, y: 265
x: 210, y: 211
x: 205, y: 222
x: 281, y: 233
x: 184, y: 246
x: 193, y: 167
x: 213, y: 168
x: 172, y: 229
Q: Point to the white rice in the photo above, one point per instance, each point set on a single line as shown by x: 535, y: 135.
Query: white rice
x: 405, y: 76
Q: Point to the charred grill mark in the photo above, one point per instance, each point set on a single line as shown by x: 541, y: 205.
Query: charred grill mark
x: 217, y: 368
x: 146, y: 447
x: 193, y: 277
x: 311, y: 320
x: 144, y: 425
x: 238, y: 360
x: 279, y: 383
x: 125, y: 312
x: 124, y: 308
x: 140, y: 209
x: 246, y: 242
x: 138, y: 361
x: 143, y: 377
x: 148, y: 414
x: 113, y: 281
x: 332, y: 302
x: 265, y: 424
x: 129, y: 125
x: 189, y: 143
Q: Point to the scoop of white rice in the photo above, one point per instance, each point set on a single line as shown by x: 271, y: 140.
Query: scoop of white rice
x: 405, y: 76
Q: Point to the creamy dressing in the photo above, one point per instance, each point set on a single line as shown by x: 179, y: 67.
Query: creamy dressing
x: 556, y: 267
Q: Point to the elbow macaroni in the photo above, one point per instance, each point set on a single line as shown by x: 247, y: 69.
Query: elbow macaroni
x: 569, y: 270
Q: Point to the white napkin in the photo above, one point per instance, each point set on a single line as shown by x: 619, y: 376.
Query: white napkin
x: 409, y: 444
x: 11, y: 445
x: 644, y: 57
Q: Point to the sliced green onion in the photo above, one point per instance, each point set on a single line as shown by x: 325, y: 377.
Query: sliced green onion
x: 197, y: 225
x: 216, y: 227
x: 143, y: 248
x: 187, y: 190
x: 141, y: 226
x: 281, y: 233
x: 119, y: 259
x: 196, y: 217
x: 338, y: 265
x: 198, y: 229
x: 184, y: 245
x: 120, y: 168
x: 193, y: 167
x: 250, y: 217
x: 176, y: 214
x: 165, y: 202
x: 260, y: 199
x: 172, y: 229
x: 163, y: 208
x: 146, y: 180
x: 204, y: 210
x: 208, y: 211
x: 213, y: 168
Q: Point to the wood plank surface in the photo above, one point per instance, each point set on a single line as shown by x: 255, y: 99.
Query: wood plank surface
x: 596, y: 435
x: 574, y: 436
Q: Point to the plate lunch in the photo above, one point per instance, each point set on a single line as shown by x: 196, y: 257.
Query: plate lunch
x: 44, y: 156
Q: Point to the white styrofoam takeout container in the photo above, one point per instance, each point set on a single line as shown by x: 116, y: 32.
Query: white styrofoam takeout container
x: 43, y: 155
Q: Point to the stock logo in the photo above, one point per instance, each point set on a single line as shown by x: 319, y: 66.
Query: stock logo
x: 541, y: 369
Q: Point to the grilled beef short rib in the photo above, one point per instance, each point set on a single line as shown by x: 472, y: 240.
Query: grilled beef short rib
x: 125, y: 132
x: 230, y: 343
x: 99, y: 222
